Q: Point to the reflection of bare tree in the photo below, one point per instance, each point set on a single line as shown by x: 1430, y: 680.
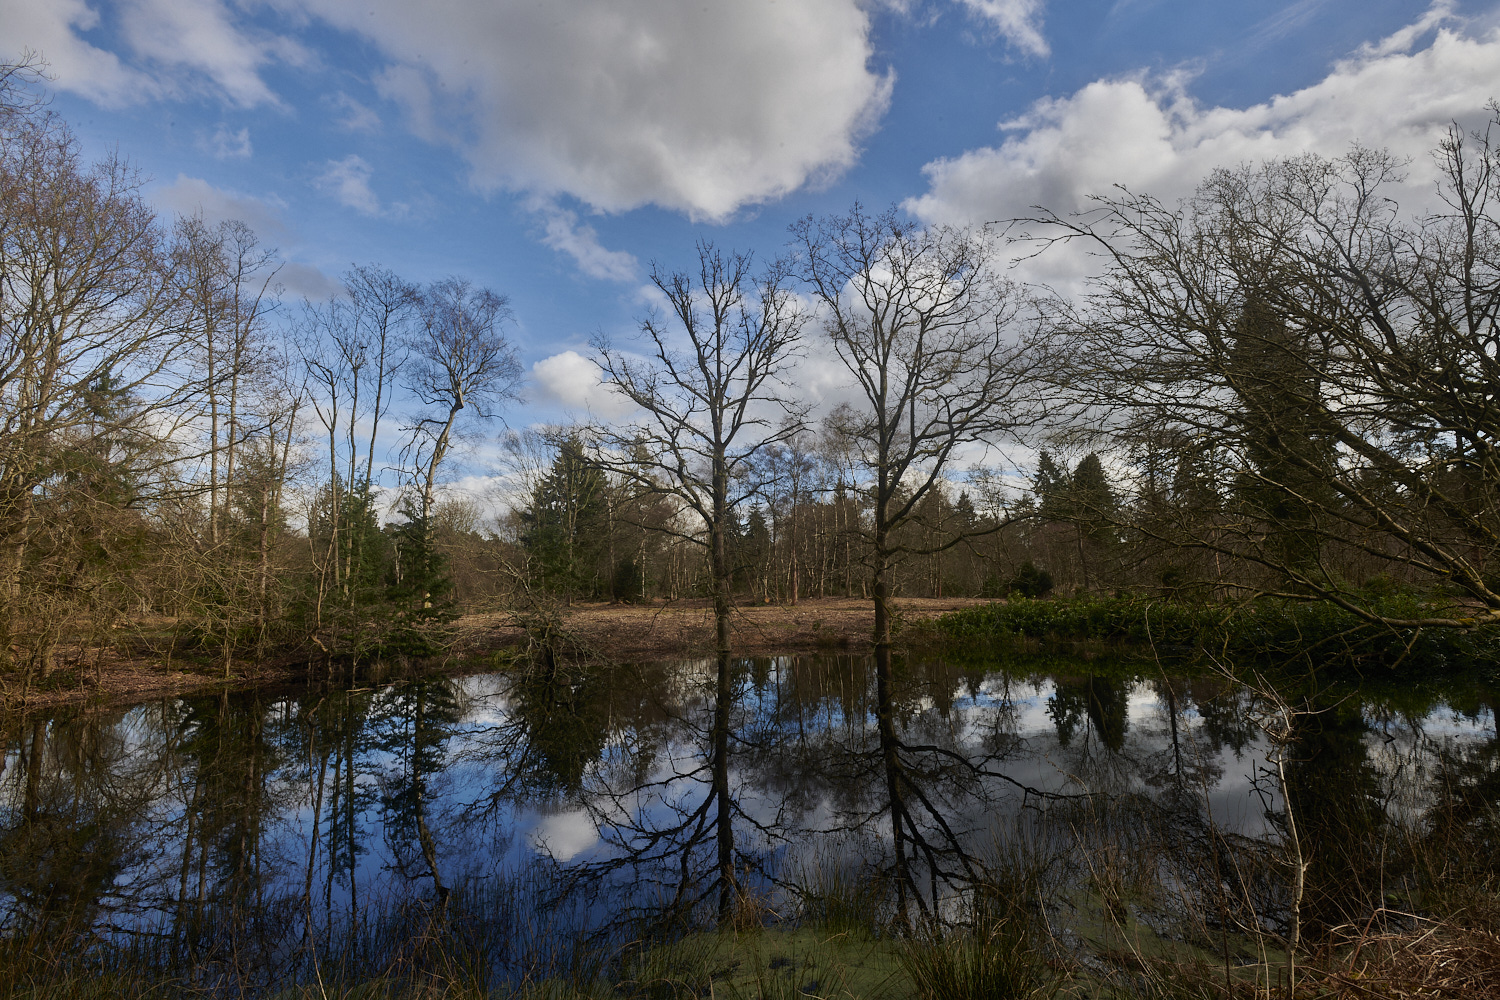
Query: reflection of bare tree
x: 667, y: 802
x: 75, y: 806
x: 203, y: 828
x: 941, y: 765
x: 413, y: 723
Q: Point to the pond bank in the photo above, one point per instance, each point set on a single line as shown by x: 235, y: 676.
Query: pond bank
x: 655, y: 631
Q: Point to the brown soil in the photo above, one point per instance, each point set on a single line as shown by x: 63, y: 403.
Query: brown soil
x: 623, y: 632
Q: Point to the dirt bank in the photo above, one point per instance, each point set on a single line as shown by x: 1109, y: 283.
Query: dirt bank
x: 626, y: 632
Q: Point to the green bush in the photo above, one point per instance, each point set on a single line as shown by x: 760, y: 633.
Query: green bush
x: 1314, y: 630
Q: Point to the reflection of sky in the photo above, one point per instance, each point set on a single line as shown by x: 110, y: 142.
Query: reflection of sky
x: 793, y: 770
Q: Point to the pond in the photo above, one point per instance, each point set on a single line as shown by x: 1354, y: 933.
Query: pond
x: 248, y: 837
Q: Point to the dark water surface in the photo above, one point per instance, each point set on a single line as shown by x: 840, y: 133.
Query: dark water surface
x: 546, y: 805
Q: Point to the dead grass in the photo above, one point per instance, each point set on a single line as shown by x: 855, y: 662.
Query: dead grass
x: 656, y: 631
x: 662, y: 630
x: 1433, y: 960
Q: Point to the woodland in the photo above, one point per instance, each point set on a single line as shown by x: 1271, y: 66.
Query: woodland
x: 1280, y: 387
x: 1267, y: 428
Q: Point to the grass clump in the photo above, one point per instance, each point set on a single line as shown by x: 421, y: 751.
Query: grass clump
x: 995, y: 953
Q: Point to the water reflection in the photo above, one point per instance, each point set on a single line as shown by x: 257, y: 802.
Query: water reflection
x: 268, y: 829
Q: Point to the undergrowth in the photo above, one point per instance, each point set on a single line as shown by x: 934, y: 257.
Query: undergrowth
x: 1265, y: 631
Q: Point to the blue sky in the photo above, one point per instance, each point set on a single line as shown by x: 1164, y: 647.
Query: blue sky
x: 552, y: 149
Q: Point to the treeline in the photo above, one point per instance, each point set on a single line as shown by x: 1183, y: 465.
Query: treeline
x: 584, y: 531
x: 1280, y: 386
x: 189, y: 465
x: 1283, y: 386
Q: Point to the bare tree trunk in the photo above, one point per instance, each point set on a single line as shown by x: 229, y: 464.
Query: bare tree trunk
x: 728, y: 891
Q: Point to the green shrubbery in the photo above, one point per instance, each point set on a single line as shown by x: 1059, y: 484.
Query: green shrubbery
x: 1276, y: 629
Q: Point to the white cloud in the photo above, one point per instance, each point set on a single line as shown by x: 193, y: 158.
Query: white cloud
x: 195, y: 196
x: 178, y: 45
x: 354, y: 116
x: 1018, y: 21
x: 701, y: 108
x: 226, y: 145
x: 1151, y: 136
x: 572, y: 380
x: 563, y: 233
x: 49, y: 29
x: 1402, y: 41
x: 348, y: 180
x: 200, y: 36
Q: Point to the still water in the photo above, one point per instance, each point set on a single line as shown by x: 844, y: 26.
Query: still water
x: 555, y: 802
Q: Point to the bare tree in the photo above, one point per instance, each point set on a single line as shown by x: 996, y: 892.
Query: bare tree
x: 927, y: 328
x: 93, y: 357
x: 460, y: 359
x: 333, y: 357
x: 383, y: 305
x: 929, y: 331
x: 225, y: 281
x: 1326, y: 368
x: 710, y: 393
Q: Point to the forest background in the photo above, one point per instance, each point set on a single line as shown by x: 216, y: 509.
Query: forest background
x: 1281, y: 387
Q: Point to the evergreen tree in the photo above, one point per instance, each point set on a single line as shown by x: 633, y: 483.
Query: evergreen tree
x: 1091, y: 499
x: 566, y: 529
x: 1050, y: 484
x: 1289, y: 462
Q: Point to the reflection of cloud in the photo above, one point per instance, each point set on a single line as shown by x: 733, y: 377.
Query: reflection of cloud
x: 565, y: 835
x: 195, y: 196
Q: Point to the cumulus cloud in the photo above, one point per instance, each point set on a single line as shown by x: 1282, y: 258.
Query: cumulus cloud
x: 226, y: 145
x: 195, y: 196
x: 1018, y: 21
x: 1150, y: 135
x: 565, y: 234
x: 701, y: 108
x: 348, y: 181
x: 572, y: 380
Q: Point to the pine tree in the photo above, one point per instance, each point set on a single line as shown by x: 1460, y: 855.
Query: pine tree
x: 1050, y: 484
x: 1091, y: 499
x: 566, y: 528
x: 1289, y: 463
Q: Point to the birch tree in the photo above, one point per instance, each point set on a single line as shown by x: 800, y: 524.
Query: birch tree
x: 461, y: 363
